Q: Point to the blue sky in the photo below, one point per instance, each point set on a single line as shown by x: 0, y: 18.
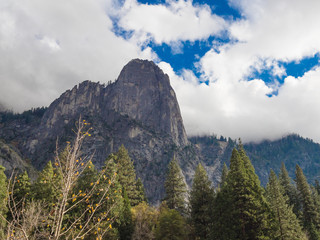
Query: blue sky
x: 246, y: 68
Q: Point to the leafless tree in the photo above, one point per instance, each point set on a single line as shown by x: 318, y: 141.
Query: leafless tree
x: 29, y: 220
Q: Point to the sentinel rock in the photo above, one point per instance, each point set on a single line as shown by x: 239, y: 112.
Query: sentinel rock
x: 138, y: 110
x: 144, y: 93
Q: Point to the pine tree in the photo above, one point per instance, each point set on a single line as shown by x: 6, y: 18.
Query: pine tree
x: 224, y: 174
x: 47, y: 186
x: 83, y: 187
x: 201, y: 202
x: 88, y: 177
x: 317, y: 186
x: 126, y: 225
x: 221, y: 217
x: 175, y: 188
x: 115, y: 201
x: 241, y: 211
x: 310, y: 215
x: 289, y: 190
x: 22, y: 188
x: 286, y: 222
x: 141, y: 192
x: 3, y: 201
x: 126, y: 174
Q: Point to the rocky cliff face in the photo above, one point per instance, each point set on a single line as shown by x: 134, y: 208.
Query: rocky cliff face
x: 139, y: 110
x: 143, y: 92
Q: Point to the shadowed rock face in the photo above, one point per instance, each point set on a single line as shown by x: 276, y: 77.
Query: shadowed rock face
x: 143, y: 92
x: 139, y: 110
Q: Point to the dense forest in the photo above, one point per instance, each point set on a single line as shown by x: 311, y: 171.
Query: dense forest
x: 71, y: 199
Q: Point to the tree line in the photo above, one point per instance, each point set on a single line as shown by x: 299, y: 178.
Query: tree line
x: 71, y: 199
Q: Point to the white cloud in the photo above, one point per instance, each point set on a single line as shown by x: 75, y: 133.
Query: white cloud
x: 271, y: 31
x: 47, y: 47
x: 242, y: 109
x: 176, y: 21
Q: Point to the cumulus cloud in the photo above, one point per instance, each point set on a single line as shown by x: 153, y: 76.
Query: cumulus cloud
x: 242, y: 109
x: 231, y: 105
x: 175, y: 21
x: 47, y: 47
x: 269, y: 32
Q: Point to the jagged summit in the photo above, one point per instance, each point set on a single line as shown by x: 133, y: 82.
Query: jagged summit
x: 143, y: 92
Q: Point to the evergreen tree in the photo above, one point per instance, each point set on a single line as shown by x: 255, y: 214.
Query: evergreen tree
x: 224, y: 174
x: 201, y: 202
x: 289, y: 190
x: 3, y: 201
x: 287, y: 224
x: 86, y: 180
x: 126, y: 174
x: 22, y: 188
x: 316, y: 200
x: 175, y: 188
x: 114, y: 200
x: 317, y: 186
x: 171, y: 225
x: 241, y: 211
x: 126, y: 225
x: 310, y: 215
x: 47, y: 186
x: 79, y: 199
x: 221, y: 217
x: 141, y: 192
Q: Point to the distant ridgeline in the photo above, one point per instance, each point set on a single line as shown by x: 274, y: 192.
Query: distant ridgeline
x: 27, y: 116
x: 140, y: 111
x: 71, y: 199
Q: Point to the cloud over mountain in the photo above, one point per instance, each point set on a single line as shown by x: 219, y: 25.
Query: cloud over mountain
x: 47, y: 47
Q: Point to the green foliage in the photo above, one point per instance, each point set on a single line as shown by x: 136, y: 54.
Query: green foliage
x: 114, y: 200
x: 291, y: 150
x: 126, y: 225
x: 290, y: 190
x: 22, y: 188
x: 241, y: 211
x: 126, y: 174
x: 79, y: 199
x: 3, y: 201
x: 201, y: 203
x: 141, y: 197
x: 286, y: 223
x: 175, y: 188
x: 145, y: 219
x: 171, y: 225
x: 224, y: 175
x: 310, y: 215
x: 47, y: 186
x: 317, y: 186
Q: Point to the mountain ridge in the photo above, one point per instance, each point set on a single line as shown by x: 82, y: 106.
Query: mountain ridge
x: 140, y: 111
